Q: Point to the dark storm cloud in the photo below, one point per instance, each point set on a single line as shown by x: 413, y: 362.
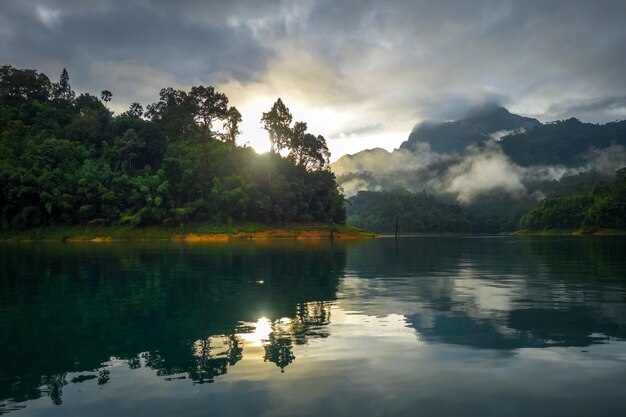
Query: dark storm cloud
x: 588, y: 108
x: 47, y: 35
x: 538, y: 54
x: 392, y: 63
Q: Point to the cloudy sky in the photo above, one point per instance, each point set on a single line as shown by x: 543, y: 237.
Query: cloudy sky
x: 362, y: 73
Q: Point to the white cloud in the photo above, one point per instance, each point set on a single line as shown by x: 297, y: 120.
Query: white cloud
x: 47, y: 16
x: 482, y: 171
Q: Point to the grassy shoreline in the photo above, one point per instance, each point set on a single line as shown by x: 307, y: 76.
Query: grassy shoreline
x: 570, y: 232
x: 194, y: 233
x: 188, y: 233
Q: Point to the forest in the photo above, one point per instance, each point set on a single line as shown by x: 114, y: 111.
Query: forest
x: 604, y: 206
x: 586, y: 202
x: 69, y: 160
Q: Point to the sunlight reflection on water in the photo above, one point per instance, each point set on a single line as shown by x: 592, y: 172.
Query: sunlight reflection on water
x: 443, y: 326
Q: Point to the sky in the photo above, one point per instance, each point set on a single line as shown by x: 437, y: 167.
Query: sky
x: 362, y: 73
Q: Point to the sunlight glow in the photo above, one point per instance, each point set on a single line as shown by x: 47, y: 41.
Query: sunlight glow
x: 261, y: 332
x: 321, y: 121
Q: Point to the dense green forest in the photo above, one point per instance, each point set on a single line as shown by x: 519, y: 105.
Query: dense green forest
x: 376, y: 211
x: 415, y: 212
x: 586, y: 201
x: 67, y: 159
x: 604, y: 206
x: 564, y: 142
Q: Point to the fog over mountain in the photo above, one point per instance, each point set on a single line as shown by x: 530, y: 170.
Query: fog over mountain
x: 489, y: 150
x: 482, y: 123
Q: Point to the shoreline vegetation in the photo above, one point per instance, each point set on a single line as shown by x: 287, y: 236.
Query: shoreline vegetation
x: 570, y: 232
x: 188, y: 233
x: 224, y: 233
x: 583, y: 204
x: 69, y: 162
x: 70, y: 168
x: 522, y: 232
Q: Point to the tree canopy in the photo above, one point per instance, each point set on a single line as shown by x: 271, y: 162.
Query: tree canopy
x: 303, y: 148
x: 68, y: 159
x: 604, y: 206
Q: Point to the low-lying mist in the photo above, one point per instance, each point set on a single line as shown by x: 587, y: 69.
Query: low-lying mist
x: 481, y: 169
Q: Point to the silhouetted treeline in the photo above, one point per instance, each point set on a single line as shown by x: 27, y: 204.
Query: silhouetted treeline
x: 70, y: 160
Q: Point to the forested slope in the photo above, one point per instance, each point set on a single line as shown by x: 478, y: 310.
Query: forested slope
x: 70, y: 160
x: 602, y: 207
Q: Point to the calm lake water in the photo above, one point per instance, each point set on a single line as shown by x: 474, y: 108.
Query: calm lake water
x: 428, y: 326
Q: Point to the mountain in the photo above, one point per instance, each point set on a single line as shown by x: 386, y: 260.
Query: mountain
x: 483, y: 173
x: 490, y: 150
x: 481, y: 124
x: 565, y: 142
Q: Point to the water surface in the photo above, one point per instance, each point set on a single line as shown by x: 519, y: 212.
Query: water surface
x: 441, y: 326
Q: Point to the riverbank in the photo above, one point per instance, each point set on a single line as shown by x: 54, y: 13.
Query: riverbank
x: 187, y: 233
x: 570, y: 232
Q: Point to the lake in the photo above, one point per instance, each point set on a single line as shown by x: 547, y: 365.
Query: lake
x: 428, y: 326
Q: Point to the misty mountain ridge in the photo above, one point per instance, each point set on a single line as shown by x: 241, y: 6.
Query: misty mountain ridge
x: 481, y: 124
x: 490, y: 151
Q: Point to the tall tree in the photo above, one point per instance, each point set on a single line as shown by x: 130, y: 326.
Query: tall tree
x: 312, y: 152
x: 174, y: 112
x: 277, y: 122
x: 307, y: 150
x: 135, y: 109
x: 232, y: 126
x: 296, y: 139
x: 62, y: 90
x: 106, y: 96
x: 210, y: 106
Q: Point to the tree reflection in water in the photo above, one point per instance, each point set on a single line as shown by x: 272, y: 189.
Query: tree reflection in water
x: 286, y: 332
x: 192, y: 312
x: 211, y: 357
x: 186, y: 312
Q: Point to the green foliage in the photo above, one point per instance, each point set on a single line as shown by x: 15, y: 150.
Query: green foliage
x: 564, y: 142
x: 574, y: 202
x: 304, y: 149
x: 415, y: 213
x: 602, y: 207
x: 17, y: 85
x: 277, y: 122
x: 69, y: 160
x: 558, y: 213
x: 62, y: 90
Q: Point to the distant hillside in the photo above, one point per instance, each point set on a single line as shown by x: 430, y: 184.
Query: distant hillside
x: 488, y: 151
x: 483, y: 173
x: 415, y: 212
x: 565, y: 142
x: 584, y: 201
x: 604, y: 206
x: 480, y: 125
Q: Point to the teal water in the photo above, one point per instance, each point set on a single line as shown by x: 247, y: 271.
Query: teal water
x: 428, y: 326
